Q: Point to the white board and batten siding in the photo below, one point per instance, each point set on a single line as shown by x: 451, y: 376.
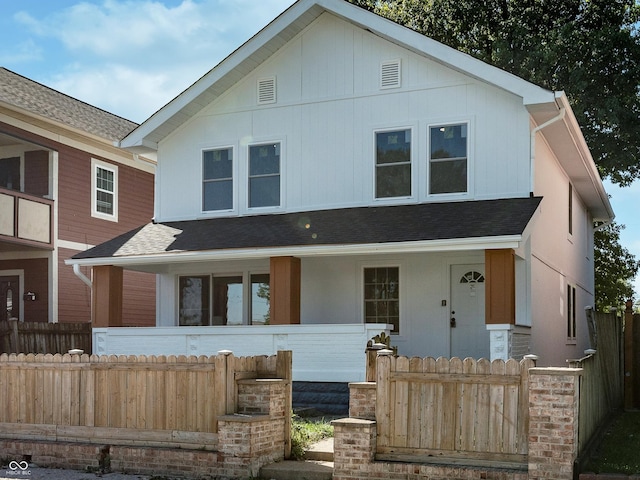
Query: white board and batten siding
x: 329, y: 104
x: 332, y: 353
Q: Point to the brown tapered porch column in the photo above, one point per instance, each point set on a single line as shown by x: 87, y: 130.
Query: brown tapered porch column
x: 106, y: 304
x: 284, y: 284
x: 500, y: 286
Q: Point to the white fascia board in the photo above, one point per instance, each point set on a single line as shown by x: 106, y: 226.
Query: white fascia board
x: 427, y: 246
x: 403, y: 36
x: 137, y: 137
x: 439, y: 52
x: 585, y: 155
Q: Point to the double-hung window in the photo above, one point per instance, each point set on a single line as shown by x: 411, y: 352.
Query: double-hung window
x: 393, y: 164
x: 448, y: 156
x: 104, y: 190
x: 264, y: 175
x: 217, y: 179
x: 382, y: 296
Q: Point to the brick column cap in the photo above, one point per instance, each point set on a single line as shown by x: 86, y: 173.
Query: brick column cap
x: 252, y: 381
x: 352, y: 422
x: 242, y: 418
x: 576, y: 372
x: 367, y: 385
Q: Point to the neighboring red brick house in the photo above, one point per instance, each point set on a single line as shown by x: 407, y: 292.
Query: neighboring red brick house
x: 65, y: 187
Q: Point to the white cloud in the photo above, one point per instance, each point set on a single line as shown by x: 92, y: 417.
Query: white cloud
x: 131, y: 57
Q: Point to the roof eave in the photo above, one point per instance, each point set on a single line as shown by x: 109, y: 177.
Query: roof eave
x: 462, y: 244
x: 290, y: 23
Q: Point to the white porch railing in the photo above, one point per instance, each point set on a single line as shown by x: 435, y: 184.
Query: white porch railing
x: 321, y: 353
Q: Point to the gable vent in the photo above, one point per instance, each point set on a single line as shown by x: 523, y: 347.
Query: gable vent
x: 390, y: 74
x: 266, y: 90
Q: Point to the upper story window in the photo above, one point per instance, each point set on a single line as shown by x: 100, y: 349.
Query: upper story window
x: 393, y: 164
x: 570, y: 206
x: 264, y: 175
x: 104, y: 190
x: 448, y: 155
x: 10, y: 173
x: 217, y: 179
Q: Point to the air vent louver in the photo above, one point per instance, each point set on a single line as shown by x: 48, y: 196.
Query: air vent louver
x: 390, y: 74
x: 266, y: 90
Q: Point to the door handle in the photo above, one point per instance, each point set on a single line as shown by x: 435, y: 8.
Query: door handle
x: 452, y: 322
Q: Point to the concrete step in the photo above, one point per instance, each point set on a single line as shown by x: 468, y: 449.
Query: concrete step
x: 321, y: 451
x: 297, y: 470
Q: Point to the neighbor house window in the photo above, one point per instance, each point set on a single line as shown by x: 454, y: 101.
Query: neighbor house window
x: 264, y: 175
x: 221, y: 299
x: 217, y: 179
x: 381, y: 296
x: 194, y: 300
x: 448, y: 159
x: 104, y: 190
x: 393, y: 164
x: 571, y: 313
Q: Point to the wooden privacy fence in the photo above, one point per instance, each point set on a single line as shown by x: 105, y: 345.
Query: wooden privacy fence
x: 42, y: 337
x: 466, y: 409
x: 602, y: 381
x: 127, y: 400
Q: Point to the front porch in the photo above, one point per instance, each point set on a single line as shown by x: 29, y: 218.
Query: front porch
x: 321, y: 353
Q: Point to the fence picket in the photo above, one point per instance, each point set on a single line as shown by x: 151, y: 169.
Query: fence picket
x: 469, y: 393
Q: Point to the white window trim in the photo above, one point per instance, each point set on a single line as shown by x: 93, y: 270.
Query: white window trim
x: 245, y: 176
x: 20, y: 275
x: 95, y: 164
x: 427, y: 162
x: 234, y: 181
x: 414, y: 144
x: 390, y: 263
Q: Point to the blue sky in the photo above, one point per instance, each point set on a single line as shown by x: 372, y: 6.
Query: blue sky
x: 130, y: 57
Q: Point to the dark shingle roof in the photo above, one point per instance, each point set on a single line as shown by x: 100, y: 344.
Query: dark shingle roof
x: 34, y: 97
x: 346, y: 226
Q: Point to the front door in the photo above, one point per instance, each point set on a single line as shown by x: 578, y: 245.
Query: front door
x: 9, y: 297
x: 469, y: 335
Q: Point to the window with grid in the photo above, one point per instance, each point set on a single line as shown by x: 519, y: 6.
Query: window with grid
x: 217, y: 179
x: 104, y: 190
x: 448, y: 159
x: 393, y: 164
x: 382, y: 296
x: 264, y: 175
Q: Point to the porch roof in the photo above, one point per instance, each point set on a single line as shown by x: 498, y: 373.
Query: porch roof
x: 292, y: 233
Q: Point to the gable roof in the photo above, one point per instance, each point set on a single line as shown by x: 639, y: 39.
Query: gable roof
x: 22, y: 93
x: 417, y: 227
x: 285, y: 27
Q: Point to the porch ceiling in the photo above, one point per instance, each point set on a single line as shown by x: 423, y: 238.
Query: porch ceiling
x: 449, y: 225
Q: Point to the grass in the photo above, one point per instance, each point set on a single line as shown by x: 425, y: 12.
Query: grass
x: 305, y: 432
x: 618, y: 451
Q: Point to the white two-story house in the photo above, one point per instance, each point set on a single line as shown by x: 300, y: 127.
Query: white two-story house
x: 339, y: 175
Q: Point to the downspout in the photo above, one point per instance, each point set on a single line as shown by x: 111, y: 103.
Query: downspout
x: 80, y: 275
x: 558, y: 117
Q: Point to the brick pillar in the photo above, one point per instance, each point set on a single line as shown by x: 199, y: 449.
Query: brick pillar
x: 553, y: 422
x: 354, y: 448
x: 106, y: 303
x: 362, y: 400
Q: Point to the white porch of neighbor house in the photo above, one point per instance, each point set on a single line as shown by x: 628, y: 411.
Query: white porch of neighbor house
x: 321, y: 353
